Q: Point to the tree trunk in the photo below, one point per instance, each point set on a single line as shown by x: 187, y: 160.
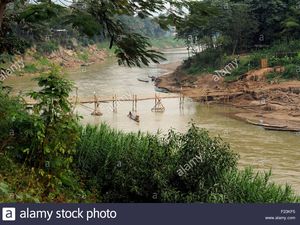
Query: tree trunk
x: 234, y: 47
x: 211, y: 41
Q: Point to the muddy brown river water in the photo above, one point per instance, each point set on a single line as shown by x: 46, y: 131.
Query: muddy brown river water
x: 263, y: 150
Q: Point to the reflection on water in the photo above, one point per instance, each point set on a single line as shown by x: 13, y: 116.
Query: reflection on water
x: 261, y: 149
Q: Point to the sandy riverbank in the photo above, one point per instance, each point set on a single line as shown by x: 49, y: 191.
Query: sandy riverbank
x: 71, y: 58
x: 275, y: 104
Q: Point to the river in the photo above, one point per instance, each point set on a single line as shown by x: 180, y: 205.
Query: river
x: 263, y: 150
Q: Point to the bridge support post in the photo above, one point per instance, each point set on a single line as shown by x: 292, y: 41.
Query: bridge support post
x: 96, y: 111
x: 115, y: 103
x: 134, y: 103
x: 158, y: 107
x: 181, y: 100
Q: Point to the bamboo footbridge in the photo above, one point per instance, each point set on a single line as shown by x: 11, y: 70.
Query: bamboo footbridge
x: 158, y: 105
x: 96, y: 100
x: 107, y: 99
x: 91, y: 100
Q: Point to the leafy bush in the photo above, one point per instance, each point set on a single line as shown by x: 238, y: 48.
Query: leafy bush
x: 36, y: 149
x: 47, y: 47
x: 246, y: 63
x: 43, y: 61
x: 12, y: 44
x: 55, y: 130
x: 274, y: 76
x: 244, y: 67
x: 255, y: 59
x: 5, y: 58
x: 19, y: 183
x: 206, y: 61
x: 84, y: 56
x: 30, y: 68
x: 122, y: 167
x: 12, y: 117
x: 291, y: 72
x: 283, y: 61
x: 286, y: 47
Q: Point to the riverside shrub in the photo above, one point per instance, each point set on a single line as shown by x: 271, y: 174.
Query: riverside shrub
x: 137, y: 167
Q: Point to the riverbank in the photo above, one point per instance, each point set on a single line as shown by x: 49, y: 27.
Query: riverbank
x: 258, y: 148
x: 34, y: 63
x: 263, y: 103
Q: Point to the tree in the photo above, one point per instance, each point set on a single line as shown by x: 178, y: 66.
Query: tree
x: 238, y: 25
x: 269, y: 15
x: 197, y: 22
x: 99, y: 18
x: 131, y: 48
x: 3, y: 4
x: 219, y: 24
x: 291, y: 25
x: 55, y: 131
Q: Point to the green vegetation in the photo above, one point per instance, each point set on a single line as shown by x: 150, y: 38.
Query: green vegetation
x: 19, y: 183
x: 245, y: 27
x: 124, y: 25
x: 204, y: 62
x: 279, y: 55
x: 84, y: 56
x: 140, y: 167
x: 240, y: 25
x: 48, y: 47
x: 133, y: 167
x: 249, y: 187
x: 167, y: 42
x: 46, y: 156
x: 40, y: 145
x: 30, y: 68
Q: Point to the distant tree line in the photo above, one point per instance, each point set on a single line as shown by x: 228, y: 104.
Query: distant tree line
x: 126, y: 24
x: 146, y: 27
x: 241, y: 25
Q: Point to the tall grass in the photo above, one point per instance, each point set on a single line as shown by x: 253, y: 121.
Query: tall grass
x: 138, y: 167
x: 206, y: 61
x: 246, y: 186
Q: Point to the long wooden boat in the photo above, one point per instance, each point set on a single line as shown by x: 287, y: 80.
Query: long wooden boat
x: 134, y: 116
x: 282, y: 129
x: 143, y: 80
x: 265, y: 125
x: 162, y: 90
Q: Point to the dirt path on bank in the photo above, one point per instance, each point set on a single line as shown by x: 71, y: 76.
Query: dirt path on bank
x: 264, y: 103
